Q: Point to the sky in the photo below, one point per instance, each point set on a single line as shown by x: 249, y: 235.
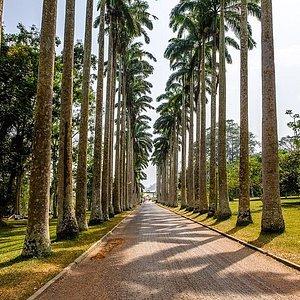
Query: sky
x: 287, y: 55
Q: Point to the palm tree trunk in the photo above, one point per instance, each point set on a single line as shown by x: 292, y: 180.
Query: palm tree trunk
x: 169, y: 176
x: 129, y: 164
x: 190, y: 181
x: 224, y: 211
x: 132, y: 177
x: 117, y: 193
x: 67, y: 225
x: 164, y: 182
x: 244, y: 215
x: 212, y: 170
x: 158, y: 183
x: 272, y: 218
x: 37, y: 239
x: 198, y: 139
x: 106, y: 163
x: 203, y: 208
x: 123, y: 144
x: 112, y: 133
x: 183, y: 159
x: 175, y: 204
x: 96, y: 213
x: 81, y: 184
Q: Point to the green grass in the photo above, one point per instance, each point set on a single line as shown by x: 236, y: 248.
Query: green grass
x: 20, y: 278
x: 285, y: 245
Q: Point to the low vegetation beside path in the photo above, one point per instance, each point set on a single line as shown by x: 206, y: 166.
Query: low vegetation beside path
x: 21, y: 278
x: 285, y: 245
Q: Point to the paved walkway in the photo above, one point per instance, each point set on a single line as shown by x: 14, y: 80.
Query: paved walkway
x: 156, y: 254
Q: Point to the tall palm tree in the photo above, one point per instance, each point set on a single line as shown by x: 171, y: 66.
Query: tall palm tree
x: 212, y: 163
x: 67, y: 225
x: 96, y: 212
x: 244, y: 215
x: 81, y: 184
x: 37, y: 240
x: 112, y: 129
x: 203, y: 205
x: 272, y: 218
x: 117, y: 180
x: 105, y: 197
x: 224, y: 211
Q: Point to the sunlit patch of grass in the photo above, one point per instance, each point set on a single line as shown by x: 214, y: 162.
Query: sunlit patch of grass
x: 20, y: 278
x: 286, y: 245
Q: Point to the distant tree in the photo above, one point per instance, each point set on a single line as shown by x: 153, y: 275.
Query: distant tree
x: 289, y: 171
x: 19, y: 64
x: 233, y: 141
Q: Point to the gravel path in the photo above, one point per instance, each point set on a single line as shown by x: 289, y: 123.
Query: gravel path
x: 156, y: 254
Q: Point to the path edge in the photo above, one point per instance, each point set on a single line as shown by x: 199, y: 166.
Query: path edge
x: 78, y: 259
x: 270, y: 254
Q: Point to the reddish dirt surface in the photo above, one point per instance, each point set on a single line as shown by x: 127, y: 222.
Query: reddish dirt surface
x: 156, y: 254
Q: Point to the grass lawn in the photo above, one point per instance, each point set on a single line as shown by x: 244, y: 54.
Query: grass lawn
x: 286, y: 245
x: 21, y: 278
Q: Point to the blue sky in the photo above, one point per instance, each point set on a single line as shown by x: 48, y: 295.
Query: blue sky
x: 287, y: 45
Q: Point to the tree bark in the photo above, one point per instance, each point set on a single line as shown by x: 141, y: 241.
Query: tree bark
x: 129, y: 164
x: 272, y: 218
x: 123, y: 144
x: 244, y: 215
x: 112, y: 133
x: 81, y: 184
x: 183, y: 158
x: 37, y: 239
x: 175, y: 204
x: 203, y: 206
x: 224, y: 211
x: 212, y: 170
x: 117, y: 185
x: 67, y: 227
x: 190, y: 182
x: 96, y: 213
x: 106, y: 163
x: 164, y: 182
x: 198, y: 137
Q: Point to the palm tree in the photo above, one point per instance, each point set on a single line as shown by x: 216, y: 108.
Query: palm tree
x: 112, y: 129
x: 117, y: 181
x: 244, y: 215
x: 212, y: 163
x: 96, y: 212
x: 67, y: 225
x: 272, y: 218
x: 37, y: 240
x: 81, y: 184
x: 203, y: 206
x: 105, y: 197
x: 224, y: 211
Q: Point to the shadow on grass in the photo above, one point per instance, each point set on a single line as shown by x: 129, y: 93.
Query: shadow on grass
x: 13, y: 261
x: 291, y: 204
x: 264, y: 239
x: 235, y: 230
